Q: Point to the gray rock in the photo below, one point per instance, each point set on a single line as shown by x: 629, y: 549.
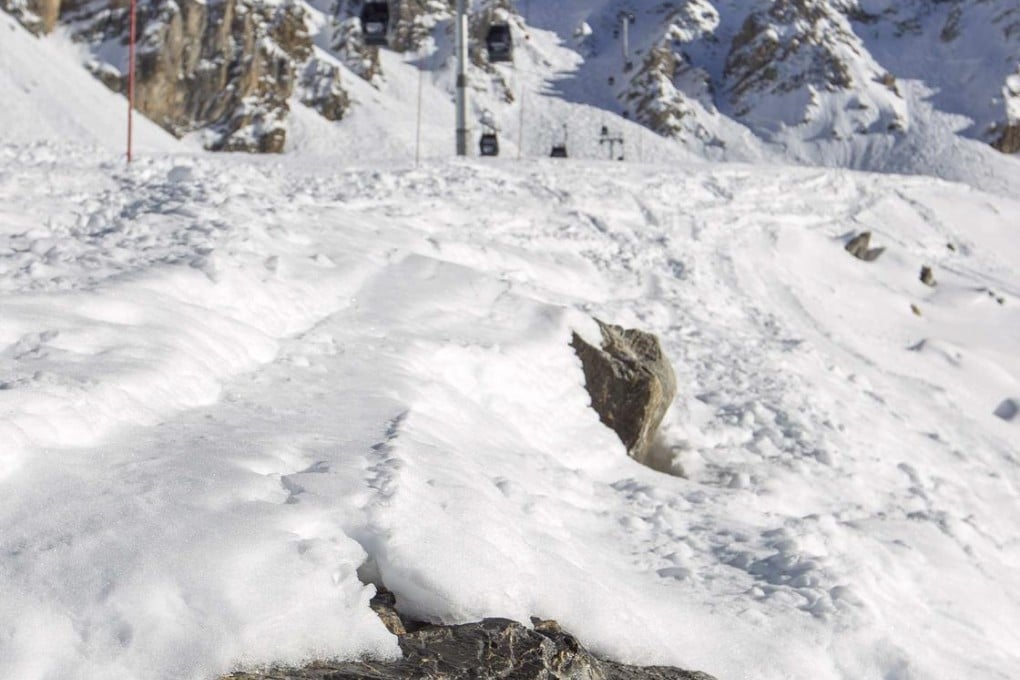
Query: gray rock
x: 487, y: 649
x: 1008, y: 409
x: 859, y: 247
x: 927, y: 277
x: 631, y: 384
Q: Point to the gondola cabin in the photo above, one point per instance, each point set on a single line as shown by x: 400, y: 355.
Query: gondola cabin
x: 499, y: 43
x: 489, y: 144
x: 558, y: 151
x: 375, y: 22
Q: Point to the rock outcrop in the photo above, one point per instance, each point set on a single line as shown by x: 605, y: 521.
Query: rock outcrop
x: 485, y: 650
x: 226, y: 67
x: 416, y: 20
x: 1009, y: 140
x: 790, y: 57
x: 860, y: 247
x: 631, y: 384
x: 38, y: 16
x: 479, y: 24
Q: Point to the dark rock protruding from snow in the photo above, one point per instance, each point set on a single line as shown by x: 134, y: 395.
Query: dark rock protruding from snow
x: 631, y: 384
x: 927, y: 276
x: 1008, y: 409
x: 859, y: 247
x: 1009, y: 141
x: 485, y: 650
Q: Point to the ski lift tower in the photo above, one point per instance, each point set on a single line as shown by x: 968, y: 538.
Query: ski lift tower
x: 611, y: 140
x: 462, y: 49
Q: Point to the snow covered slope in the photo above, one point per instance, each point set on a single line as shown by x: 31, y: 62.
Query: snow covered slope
x: 237, y: 392
x: 229, y: 384
x: 906, y: 87
x: 48, y: 96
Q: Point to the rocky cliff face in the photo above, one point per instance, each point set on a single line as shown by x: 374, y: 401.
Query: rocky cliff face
x: 829, y: 69
x: 38, y: 16
x: 225, y: 67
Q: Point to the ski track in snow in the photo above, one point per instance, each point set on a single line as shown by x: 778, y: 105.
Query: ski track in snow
x: 229, y: 385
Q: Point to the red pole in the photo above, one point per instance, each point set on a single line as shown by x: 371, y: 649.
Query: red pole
x: 131, y: 79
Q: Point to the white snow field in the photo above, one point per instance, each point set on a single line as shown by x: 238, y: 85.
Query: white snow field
x: 237, y: 392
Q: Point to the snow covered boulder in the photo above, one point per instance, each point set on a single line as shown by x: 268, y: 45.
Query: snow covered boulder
x: 631, y: 384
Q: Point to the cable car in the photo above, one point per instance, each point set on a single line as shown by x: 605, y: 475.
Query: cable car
x: 559, y: 149
x: 489, y: 144
x: 375, y: 22
x: 499, y: 42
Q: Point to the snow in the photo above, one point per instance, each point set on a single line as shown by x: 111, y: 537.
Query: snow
x: 34, y: 71
x: 236, y: 393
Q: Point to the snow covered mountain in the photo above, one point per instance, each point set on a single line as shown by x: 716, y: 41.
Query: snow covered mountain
x: 239, y: 392
x: 867, y: 84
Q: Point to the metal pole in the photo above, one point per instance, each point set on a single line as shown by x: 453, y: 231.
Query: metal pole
x: 462, y: 40
x: 520, y: 128
x: 417, y: 131
x: 626, y: 37
x: 131, y: 81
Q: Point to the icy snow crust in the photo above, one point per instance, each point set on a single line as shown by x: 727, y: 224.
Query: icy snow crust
x: 228, y: 384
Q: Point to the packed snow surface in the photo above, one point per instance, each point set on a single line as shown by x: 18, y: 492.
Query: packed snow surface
x: 238, y: 393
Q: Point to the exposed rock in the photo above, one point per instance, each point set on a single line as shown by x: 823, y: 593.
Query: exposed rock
x: 348, y: 44
x: 631, y: 384
x: 915, y: 309
x: 927, y: 276
x: 488, y: 649
x: 657, y: 103
x: 384, y: 604
x: 479, y: 24
x: 38, y: 16
x: 1008, y: 409
x: 858, y: 246
x: 412, y: 22
x: 321, y: 89
x: 1009, y: 140
x: 416, y: 20
x: 225, y: 67
x: 801, y: 33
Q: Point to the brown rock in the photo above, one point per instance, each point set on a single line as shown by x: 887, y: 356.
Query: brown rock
x: 1009, y: 141
x: 485, y: 650
x: 927, y: 277
x: 226, y: 67
x: 631, y: 384
x: 858, y: 246
x: 38, y: 16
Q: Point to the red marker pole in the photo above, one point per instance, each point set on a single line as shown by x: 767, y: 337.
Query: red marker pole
x: 131, y: 79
